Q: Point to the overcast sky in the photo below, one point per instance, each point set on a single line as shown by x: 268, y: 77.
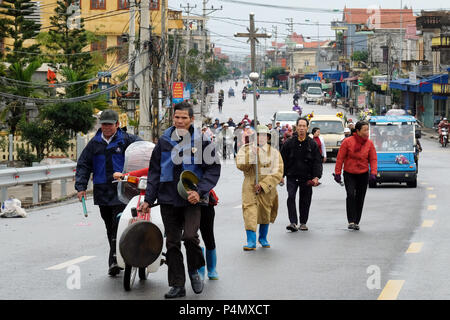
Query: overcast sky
x: 222, y: 29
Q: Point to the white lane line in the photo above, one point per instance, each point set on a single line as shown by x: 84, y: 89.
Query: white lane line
x: 70, y: 262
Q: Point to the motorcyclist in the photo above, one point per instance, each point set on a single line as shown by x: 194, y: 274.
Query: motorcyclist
x: 296, y: 97
x: 257, y: 94
x: 443, y: 124
x: 297, y: 108
x: 227, y: 134
x: 244, y: 93
x: 280, y: 90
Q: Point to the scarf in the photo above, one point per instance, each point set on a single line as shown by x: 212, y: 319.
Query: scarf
x: 360, y: 142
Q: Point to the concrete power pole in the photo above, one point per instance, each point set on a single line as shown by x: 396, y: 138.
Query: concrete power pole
x: 275, y: 32
x: 203, y: 51
x: 131, y: 105
x: 145, y: 91
x: 188, y: 9
x: 291, y: 56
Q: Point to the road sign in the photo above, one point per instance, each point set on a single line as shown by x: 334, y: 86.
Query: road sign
x: 177, y: 92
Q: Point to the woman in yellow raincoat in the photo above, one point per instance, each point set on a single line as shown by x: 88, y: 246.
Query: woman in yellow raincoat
x: 259, y: 201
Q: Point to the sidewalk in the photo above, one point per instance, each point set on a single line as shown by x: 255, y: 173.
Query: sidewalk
x: 430, y: 133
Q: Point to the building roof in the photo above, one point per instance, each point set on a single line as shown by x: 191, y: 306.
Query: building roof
x: 380, y: 18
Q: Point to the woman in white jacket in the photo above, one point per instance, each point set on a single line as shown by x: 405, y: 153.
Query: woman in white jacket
x: 320, y: 142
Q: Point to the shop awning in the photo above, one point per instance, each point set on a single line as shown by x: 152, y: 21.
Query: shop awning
x: 421, y: 86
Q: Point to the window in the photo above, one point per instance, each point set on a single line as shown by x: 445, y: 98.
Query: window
x: 98, y: 4
x: 393, y: 138
x: 122, y: 51
x: 154, y: 4
x: 122, y: 4
x: 328, y: 127
x: 100, y: 46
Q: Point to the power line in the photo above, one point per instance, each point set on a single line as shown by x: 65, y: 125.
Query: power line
x: 71, y: 100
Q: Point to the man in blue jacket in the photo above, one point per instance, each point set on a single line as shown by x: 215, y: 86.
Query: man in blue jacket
x: 104, y: 155
x: 181, y: 148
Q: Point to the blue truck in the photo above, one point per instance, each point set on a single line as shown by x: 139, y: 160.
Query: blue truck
x: 394, y: 138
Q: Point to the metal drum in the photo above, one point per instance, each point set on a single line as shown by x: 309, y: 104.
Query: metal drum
x: 141, y: 244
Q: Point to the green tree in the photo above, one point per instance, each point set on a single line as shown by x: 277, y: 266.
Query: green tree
x: 360, y: 56
x: 67, y: 39
x: 17, y: 25
x: 15, y: 108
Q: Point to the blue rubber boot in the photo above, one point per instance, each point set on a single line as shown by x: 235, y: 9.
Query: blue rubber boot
x: 211, y: 261
x: 263, y: 230
x: 201, y: 271
x: 251, y: 240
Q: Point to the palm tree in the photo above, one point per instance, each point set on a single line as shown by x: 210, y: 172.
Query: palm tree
x: 15, y: 109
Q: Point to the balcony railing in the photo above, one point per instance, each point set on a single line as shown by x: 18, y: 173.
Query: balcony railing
x: 441, y: 89
x: 429, y: 22
x: 440, y: 42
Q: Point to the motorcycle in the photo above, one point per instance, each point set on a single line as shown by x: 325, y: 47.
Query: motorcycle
x: 244, y: 96
x: 140, y: 248
x: 444, y: 137
x: 257, y: 96
x: 298, y: 109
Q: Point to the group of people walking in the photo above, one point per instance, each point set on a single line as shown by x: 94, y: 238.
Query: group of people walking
x: 264, y: 167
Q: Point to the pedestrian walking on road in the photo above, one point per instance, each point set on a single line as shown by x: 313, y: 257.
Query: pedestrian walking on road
x: 355, y: 155
x: 303, y: 169
x: 176, y: 152
x: 102, y: 156
x: 320, y: 142
x: 259, y: 200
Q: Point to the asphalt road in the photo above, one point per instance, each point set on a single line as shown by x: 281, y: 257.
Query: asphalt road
x: 327, y: 262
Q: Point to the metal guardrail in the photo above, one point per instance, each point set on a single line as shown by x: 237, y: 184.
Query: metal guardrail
x: 11, y: 177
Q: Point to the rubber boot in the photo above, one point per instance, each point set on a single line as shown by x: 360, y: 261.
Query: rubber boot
x: 262, y: 239
x: 211, y: 261
x: 251, y: 240
x: 201, y: 271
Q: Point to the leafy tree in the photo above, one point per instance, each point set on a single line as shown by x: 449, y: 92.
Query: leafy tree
x: 360, y: 56
x: 67, y: 39
x: 16, y: 24
x: 14, y: 109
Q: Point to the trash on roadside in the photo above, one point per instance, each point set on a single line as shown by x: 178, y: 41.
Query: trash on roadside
x: 12, y: 208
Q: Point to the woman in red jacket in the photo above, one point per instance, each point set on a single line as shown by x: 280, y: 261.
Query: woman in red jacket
x: 356, y: 154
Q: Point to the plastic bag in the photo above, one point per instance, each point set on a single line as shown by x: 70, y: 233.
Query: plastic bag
x: 12, y: 208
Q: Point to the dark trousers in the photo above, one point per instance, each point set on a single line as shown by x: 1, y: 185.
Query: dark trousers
x: 292, y: 185
x: 109, y: 216
x: 182, y: 223
x: 207, y: 227
x: 356, y: 187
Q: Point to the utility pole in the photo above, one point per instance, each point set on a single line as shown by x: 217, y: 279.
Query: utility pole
x: 131, y: 104
x: 291, y: 56
x: 188, y: 9
x: 145, y: 90
x: 163, y: 80
x: 203, y: 51
x: 253, y: 36
x: 275, y: 32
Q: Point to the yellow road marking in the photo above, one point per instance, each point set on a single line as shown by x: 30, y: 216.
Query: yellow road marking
x: 427, y: 223
x: 415, y: 247
x: 391, y: 290
x: 432, y: 196
x: 430, y: 188
x: 432, y: 207
x: 424, y: 183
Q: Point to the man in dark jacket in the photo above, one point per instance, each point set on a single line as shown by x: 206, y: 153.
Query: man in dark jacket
x: 303, y: 168
x: 104, y: 155
x: 181, y: 148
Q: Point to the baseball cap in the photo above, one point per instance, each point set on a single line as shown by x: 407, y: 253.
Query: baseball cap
x: 109, y: 116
